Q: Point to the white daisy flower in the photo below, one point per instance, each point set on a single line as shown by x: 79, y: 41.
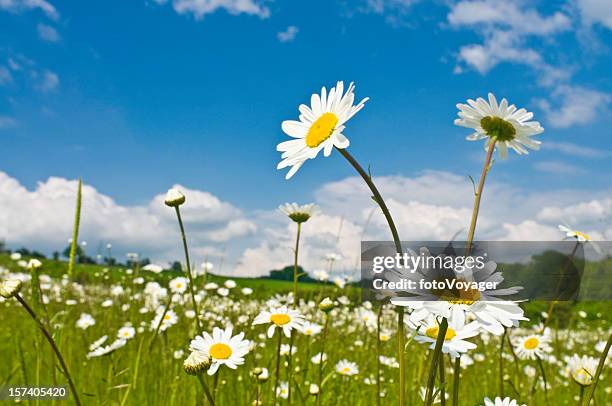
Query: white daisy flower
x: 310, y: 329
x: 85, y: 321
x: 10, y: 288
x: 318, y: 358
x: 299, y: 213
x: 281, y: 317
x: 126, y: 333
x: 222, y: 348
x: 582, y: 369
x: 230, y: 284
x: 501, y: 402
x: 455, y: 342
x: 347, y: 368
x: 98, y: 343
x: 532, y: 346
x: 178, y: 284
x: 100, y: 351
x: 321, y: 275
x: 320, y: 127
x: 501, y: 123
x: 283, y: 390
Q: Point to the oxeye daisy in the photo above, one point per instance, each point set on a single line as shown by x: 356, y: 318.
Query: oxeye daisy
x: 320, y: 127
x: 178, y: 284
x: 501, y: 123
x: 501, y: 402
x: 533, y: 346
x: 347, y: 368
x: 281, y: 317
x: 582, y: 369
x: 299, y: 213
x: 222, y: 348
x: 310, y: 329
x: 10, y: 288
x: 126, y: 333
x: 455, y: 339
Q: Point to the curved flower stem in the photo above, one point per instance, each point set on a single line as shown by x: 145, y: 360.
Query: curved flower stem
x: 295, y: 265
x: 277, y: 369
x: 600, y: 367
x: 437, y: 354
x: 442, y: 382
x: 456, y: 376
x: 53, y: 346
x: 398, y: 247
x: 544, y: 378
x: 378, y: 383
x: 161, y: 320
x: 191, y: 283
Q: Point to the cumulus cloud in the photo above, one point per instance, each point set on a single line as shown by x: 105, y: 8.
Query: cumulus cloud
x: 596, y: 12
x: 199, y: 8
x: 47, y: 33
x: 42, y: 219
x: 18, y: 6
x: 574, y: 105
x: 288, y: 35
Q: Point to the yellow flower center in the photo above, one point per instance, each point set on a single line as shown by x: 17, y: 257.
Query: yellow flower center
x: 321, y: 129
x: 432, y: 332
x: 178, y: 286
x: 167, y: 317
x: 280, y: 319
x: 220, y: 351
x: 345, y: 370
x: 583, y: 235
x: 583, y: 377
x: 531, y: 343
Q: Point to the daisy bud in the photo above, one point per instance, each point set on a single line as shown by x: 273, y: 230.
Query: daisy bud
x: 34, y: 264
x: 314, y: 389
x: 10, y: 288
x: 326, y: 305
x: 174, y: 198
x: 256, y: 372
x: 196, y: 363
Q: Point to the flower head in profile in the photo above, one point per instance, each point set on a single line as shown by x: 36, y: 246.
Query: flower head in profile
x: 222, y: 348
x: 571, y: 233
x: 582, y: 369
x: 196, y: 363
x: 34, y: 264
x: 501, y: 123
x: 320, y: 127
x: 174, y: 198
x: 347, y: 368
x: 297, y: 213
x: 501, y: 402
x: 533, y: 346
x: 282, y: 317
x: 10, y: 288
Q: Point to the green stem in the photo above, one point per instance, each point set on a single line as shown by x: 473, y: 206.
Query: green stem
x: 442, y: 382
x: 437, y: 353
x: 75, y: 231
x: 400, y: 355
x: 544, y: 378
x: 191, y: 283
x: 295, y: 266
x: 277, y: 368
x: 501, y: 364
x: 456, y: 377
x: 600, y: 367
x: 478, y: 194
x: 209, y: 396
x: 378, y: 382
x: 53, y: 346
x: 324, y: 337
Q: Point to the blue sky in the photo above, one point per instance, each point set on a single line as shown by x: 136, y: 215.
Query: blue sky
x: 137, y: 96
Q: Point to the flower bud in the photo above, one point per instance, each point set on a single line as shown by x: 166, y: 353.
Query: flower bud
x: 34, y: 264
x: 174, y: 198
x: 326, y: 305
x: 10, y: 288
x: 313, y: 389
x: 196, y: 363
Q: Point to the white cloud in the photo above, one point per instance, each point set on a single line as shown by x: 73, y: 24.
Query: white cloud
x: 596, y: 11
x: 49, y: 81
x: 530, y: 230
x: 574, y: 105
x: 199, y: 8
x: 7, y: 122
x: 5, y: 76
x: 559, y: 168
x: 592, y: 211
x: 18, y: 6
x: 288, y: 35
x: 575, y: 149
x: 47, y: 33
x: 42, y: 219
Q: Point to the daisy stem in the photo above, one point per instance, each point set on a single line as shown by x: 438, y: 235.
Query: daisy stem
x: 437, y: 353
x: 544, y: 378
x: 161, y: 320
x: 378, y: 383
x: 442, y: 382
x: 321, y: 360
x: 478, y: 194
x: 295, y: 266
x: 206, y: 390
x: 75, y: 231
x: 600, y: 367
x: 501, y: 364
x: 456, y: 377
x: 400, y: 354
x: 553, y: 301
x: 191, y: 287
x: 53, y: 346
x: 516, y: 361
x: 277, y: 368
x: 581, y: 395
